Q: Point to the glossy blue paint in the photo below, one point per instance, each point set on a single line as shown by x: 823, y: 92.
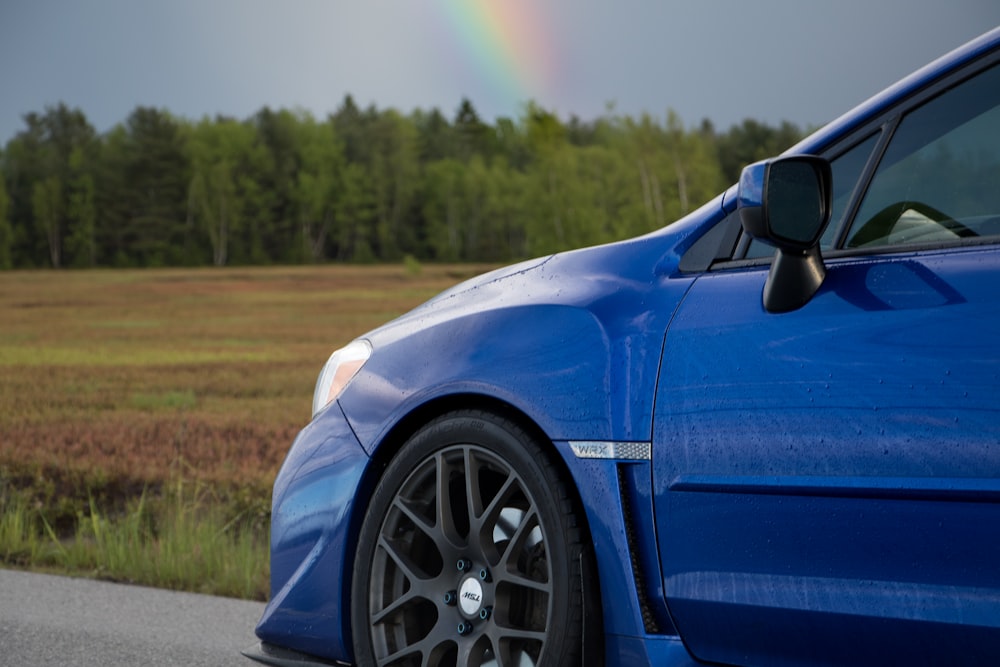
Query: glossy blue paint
x: 835, y: 469
x: 630, y: 650
x: 824, y: 485
x: 750, y: 192
x: 550, y: 340
x: 602, y: 487
x: 312, y: 537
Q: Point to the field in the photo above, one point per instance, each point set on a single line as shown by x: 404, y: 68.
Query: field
x: 140, y: 402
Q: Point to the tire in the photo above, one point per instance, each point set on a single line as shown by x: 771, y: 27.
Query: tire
x: 486, y: 572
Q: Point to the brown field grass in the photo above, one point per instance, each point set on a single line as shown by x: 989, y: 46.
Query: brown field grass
x: 116, y: 381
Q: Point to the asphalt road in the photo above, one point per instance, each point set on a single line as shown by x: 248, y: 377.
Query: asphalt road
x: 47, y: 620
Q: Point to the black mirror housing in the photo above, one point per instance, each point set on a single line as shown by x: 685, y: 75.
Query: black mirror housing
x: 786, y: 202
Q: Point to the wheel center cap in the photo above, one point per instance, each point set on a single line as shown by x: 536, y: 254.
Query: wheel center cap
x: 470, y: 596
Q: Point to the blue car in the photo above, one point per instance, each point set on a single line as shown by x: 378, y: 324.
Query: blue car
x: 767, y: 434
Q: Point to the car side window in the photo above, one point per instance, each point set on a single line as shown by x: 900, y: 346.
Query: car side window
x: 939, y: 180
x: 846, y: 168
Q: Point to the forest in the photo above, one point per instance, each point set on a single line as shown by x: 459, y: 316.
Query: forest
x: 362, y: 185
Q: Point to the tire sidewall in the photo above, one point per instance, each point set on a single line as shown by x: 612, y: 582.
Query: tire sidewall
x: 522, y: 453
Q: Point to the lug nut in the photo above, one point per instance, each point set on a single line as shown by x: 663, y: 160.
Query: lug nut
x: 464, y: 628
x: 485, y: 613
x: 484, y: 574
x: 464, y: 564
x: 450, y: 598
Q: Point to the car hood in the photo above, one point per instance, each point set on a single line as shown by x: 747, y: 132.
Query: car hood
x: 572, y: 340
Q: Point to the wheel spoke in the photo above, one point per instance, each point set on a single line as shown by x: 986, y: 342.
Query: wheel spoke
x: 521, y: 581
x: 510, y: 646
x: 491, y: 515
x: 519, y: 541
x: 429, y: 529
x: 466, y: 651
x: 478, y: 503
x: 473, y: 498
x: 424, y: 648
x: 402, y: 560
x: 447, y: 527
x: 394, y: 607
x: 521, y: 636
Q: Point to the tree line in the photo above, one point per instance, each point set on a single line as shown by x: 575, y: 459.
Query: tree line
x: 362, y: 185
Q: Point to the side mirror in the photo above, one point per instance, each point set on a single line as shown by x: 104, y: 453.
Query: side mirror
x: 786, y: 202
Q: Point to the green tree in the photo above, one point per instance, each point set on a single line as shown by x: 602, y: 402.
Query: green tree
x: 354, y: 208
x: 395, y: 175
x: 363, y: 185
x: 697, y: 175
x: 442, y: 209
x: 512, y: 144
x: 156, y: 180
x: 220, y: 153
x: 349, y: 125
x: 114, y: 201
x: 47, y: 207
x: 473, y: 136
x: 435, y: 136
x: 37, y: 165
x: 550, y: 179
x: 271, y: 218
x: 71, y: 145
x: 81, y: 244
x: 646, y: 149
x: 23, y: 167
x: 751, y: 141
x: 6, y: 231
x: 318, y: 185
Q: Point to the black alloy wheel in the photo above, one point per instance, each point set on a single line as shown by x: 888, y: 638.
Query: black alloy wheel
x: 470, y: 554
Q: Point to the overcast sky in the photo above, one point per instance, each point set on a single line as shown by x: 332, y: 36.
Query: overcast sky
x: 726, y: 60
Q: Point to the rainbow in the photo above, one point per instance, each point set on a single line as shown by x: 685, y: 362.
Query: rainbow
x: 506, y: 43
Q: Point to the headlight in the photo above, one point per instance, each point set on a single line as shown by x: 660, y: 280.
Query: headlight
x: 339, y: 370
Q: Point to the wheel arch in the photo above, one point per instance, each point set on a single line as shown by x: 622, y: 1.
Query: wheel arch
x: 407, y: 426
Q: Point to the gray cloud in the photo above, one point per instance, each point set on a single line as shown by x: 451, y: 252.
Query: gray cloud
x: 724, y: 59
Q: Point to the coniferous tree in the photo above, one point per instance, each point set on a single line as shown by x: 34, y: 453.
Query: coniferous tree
x: 156, y: 188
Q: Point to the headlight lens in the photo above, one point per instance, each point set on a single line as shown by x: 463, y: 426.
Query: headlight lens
x: 339, y: 370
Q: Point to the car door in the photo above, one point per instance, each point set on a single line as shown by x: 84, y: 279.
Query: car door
x: 827, y: 480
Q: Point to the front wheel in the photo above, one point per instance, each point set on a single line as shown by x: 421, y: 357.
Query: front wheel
x: 470, y: 554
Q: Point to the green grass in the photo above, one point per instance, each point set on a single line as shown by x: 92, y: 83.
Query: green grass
x: 20, y: 530
x: 182, y: 538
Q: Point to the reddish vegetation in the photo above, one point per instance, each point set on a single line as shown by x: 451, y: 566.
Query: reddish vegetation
x: 124, y: 379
